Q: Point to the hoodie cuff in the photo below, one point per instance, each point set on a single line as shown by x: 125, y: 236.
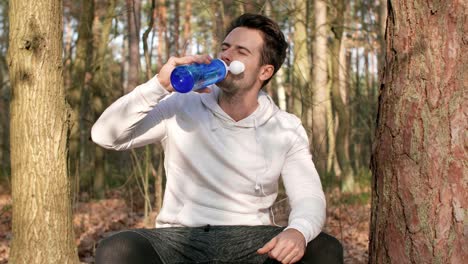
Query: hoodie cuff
x: 305, y: 228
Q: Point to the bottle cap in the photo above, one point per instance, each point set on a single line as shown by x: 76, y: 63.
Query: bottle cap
x: 236, y: 67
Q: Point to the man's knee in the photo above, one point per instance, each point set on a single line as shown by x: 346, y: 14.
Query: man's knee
x: 331, y: 244
x: 324, y: 249
x: 124, y: 247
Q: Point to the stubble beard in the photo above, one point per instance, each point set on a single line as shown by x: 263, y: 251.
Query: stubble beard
x: 228, y: 86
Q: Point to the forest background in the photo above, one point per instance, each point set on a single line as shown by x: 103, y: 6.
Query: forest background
x: 330, y: 80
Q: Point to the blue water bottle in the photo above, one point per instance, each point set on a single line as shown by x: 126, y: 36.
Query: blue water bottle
x: 196, y: 76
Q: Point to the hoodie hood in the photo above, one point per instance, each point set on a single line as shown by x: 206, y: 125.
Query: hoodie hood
x: 266, y: 109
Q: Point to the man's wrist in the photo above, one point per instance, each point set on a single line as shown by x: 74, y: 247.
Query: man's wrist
x: 297, y: 231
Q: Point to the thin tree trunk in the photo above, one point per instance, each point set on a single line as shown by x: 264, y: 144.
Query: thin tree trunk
x: 347, y: 98
x: 158, y: 174
x: 339, y: 99
x: 301, y: 66
x: 81, y: 79
x: 381, y: 34
x: 162, y: 29
x: 419, y: 197
x: 4, y: 122
x: 133, y: 19
x: 42, y: 215
x: 187, y: 37
x: 218, y: 27
x: 281, y: 90
x: 357, y: 112
x: 320, y: 94
x: 146, y: 52
x: 4, y: 98
x: 68, y: 51
x: 176, y: 29
x: 229, y: 13
x: 366, y: 112
x: 100, y: 85
x: 330, y: 132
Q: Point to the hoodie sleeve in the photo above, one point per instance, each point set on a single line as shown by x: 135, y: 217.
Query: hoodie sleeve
x: 303, y: 188
x: 135, y: 119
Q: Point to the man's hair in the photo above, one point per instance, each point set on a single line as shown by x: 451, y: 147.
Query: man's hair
x: 274, y: 46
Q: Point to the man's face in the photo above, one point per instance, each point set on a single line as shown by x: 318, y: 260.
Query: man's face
x: 245, y: 45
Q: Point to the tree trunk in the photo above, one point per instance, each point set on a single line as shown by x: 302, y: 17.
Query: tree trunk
x: 339, y: 97
x: 302, y: 66
x: 133, y: 17
x: 187, y: 37
x: 81, y: 80
x: 176, y: 28
x: 4, y: 122
x: 158, y: 174
x: 100, y: 87
x: 146, y: 51
x: 4, y: 94
x: 381, y: 35
x: 218, y: 27
x: 42, y: 216
x: 162, y: 33
x: 320, y: 93
x: 419, y: 197
x: 230, y: 13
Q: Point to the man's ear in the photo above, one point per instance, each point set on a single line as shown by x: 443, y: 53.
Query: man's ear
x: 266, y: 71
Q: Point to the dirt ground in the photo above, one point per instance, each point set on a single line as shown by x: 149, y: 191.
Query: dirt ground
x: 94, y: 220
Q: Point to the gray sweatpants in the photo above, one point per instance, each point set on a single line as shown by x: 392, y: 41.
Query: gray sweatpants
x: 211, y: 244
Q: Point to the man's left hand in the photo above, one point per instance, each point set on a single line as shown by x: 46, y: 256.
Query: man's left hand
x: 287, y: 247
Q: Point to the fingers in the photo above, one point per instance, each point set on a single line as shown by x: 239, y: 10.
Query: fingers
x: 268, y: 246
x: 278, y: 253
x: 287, y: 247
x: 166, y: 70
x: 292, y: 256
x: 296, y: 258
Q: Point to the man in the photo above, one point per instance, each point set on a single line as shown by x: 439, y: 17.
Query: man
x: 225, y: 149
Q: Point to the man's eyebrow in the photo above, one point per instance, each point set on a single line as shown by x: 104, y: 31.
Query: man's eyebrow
x: 236, y: 46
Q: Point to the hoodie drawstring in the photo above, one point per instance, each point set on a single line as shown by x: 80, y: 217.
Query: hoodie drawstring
x: 257, y: 186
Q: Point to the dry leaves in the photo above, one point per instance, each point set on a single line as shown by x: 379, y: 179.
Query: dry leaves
x: 97, y: 219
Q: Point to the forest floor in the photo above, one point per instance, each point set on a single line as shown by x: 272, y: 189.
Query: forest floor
x: 348, y: 220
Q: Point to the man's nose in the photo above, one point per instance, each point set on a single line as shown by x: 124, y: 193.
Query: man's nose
x: 226, y: 55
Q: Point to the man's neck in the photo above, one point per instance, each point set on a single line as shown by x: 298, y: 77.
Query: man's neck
x: 239, y: 105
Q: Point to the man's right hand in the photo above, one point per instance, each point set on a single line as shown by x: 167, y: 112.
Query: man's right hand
x: 164, y: 75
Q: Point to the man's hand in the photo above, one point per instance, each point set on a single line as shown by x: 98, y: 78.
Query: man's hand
x: 164, y: 75
x: 287, y: 247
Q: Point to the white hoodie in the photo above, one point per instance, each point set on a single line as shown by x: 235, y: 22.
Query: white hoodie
x: 219, y: 171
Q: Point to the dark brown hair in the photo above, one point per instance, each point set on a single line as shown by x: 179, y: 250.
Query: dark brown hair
x: 274, y: 46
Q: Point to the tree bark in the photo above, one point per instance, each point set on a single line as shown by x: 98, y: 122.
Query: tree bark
x: 419, y: 197
x: 42, y: 216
